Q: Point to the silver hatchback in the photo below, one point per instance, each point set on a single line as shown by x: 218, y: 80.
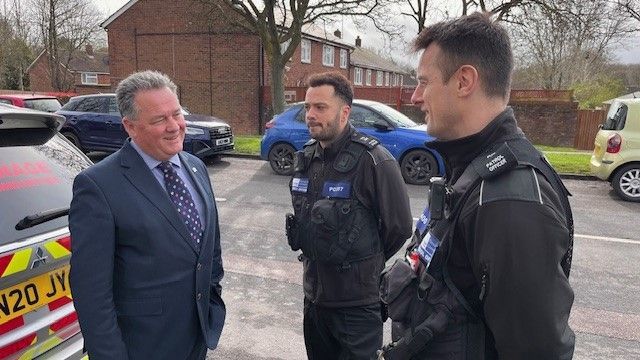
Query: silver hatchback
x: 37, y: 168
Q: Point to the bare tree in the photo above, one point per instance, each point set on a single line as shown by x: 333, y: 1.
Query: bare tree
x: 568, y: 41
x: 65, y: 26
x: 632, y: 7
x: 279, y: 24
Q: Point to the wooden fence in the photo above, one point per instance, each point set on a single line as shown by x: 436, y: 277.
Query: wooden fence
x: 588, y: 125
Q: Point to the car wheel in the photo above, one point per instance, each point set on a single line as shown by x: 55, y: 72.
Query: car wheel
x: 281, y: 158
x: 418, y: 166
x: 73, y: 138
x: 626, y: 182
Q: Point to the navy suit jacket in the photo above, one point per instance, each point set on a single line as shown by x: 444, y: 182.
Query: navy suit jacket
x: 140, y: 287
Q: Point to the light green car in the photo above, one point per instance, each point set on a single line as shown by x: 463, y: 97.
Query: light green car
x: 616, y: 156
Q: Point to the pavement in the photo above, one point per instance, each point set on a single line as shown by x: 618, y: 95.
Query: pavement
x: 563, y: 176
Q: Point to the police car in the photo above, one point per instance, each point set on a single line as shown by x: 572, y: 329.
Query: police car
x: 37, y: 168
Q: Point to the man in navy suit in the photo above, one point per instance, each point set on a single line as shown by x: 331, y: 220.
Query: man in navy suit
x: 146, y: 264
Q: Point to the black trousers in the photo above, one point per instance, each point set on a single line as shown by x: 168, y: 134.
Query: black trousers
x: 342, y: 333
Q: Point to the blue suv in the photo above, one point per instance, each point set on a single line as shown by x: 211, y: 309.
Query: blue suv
x: 286, y: 133
x: 95, y: 124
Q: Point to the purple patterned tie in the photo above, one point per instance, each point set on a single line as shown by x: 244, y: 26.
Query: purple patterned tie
x: 183, y: 201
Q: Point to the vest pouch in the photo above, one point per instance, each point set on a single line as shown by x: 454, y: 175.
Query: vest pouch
x: 326, y: 219
x: 398, y: 290
x: 298, y: 229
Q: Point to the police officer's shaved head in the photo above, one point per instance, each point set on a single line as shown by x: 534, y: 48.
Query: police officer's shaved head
x: 472, y: 40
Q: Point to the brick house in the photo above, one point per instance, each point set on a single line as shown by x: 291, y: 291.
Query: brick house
x: 369, y: 69
x: 86, y: 73
x: 220, y: 68
x: 215, y: 64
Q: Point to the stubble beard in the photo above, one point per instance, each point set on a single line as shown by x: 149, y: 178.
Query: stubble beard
x: 330, y: 132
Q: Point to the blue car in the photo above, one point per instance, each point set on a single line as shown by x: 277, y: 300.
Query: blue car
x: 95, y: 124
x: 286, y: 133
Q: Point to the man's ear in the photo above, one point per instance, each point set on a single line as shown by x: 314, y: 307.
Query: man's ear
x: 468, y: 80
x: 129, y: 126
x: 345, y: 112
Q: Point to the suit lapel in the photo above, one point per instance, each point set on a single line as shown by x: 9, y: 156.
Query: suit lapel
x: 140, y: 176
x: 205, y: 195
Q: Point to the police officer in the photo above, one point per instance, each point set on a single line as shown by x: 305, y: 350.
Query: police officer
x: 493, y: 270
x: 351, y: 214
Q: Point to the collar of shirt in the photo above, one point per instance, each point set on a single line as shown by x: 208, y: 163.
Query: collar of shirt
x: 151, y: 162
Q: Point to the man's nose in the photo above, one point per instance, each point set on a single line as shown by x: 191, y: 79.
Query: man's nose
x: 174, y: 123
x: 416, y: 97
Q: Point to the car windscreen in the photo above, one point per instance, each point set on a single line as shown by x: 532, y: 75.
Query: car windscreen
x: 396, y: 117
x: 33, y: 180
x: 48, y: 105
x: 616, y: 117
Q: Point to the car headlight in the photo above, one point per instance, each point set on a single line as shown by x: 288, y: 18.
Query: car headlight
x: 194, y: 131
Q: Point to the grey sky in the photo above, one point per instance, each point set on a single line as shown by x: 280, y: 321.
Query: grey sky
x: 627, y: 55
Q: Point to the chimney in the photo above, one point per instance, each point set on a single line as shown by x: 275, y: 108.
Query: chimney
x: 358, y: 42
x: 337, y: 34
x: 88, y: 49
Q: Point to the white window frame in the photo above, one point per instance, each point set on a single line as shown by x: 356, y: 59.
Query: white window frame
x: 89, y: 78
x: 327, y: 55
x: 305, y: 51
x: 386, y: 79
x: 369, y: 77
x: 401, y: 80
x: 379, y: 78
x: 343, y: 58
x: 357, y: 76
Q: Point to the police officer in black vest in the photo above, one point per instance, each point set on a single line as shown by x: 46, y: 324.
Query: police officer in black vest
x: 494, y: 246
x: 351, y: 213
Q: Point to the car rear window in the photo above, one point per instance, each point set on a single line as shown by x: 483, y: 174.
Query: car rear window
x: 48, y: 105
x: 34, y: 179
x: 616, y: 117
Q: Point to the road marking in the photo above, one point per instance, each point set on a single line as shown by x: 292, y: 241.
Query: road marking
x: 609, y: 239
x: 221, y: 199
x: 601, y: 238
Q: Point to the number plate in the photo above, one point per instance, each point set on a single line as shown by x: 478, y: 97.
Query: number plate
x: 223, y: 141
x: 34, y: 293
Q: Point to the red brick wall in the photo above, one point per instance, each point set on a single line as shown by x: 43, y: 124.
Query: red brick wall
x: 217, y: 72
x: 298, y: 72
x: 548, y: 123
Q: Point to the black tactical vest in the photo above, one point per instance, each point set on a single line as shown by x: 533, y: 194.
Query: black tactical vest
x: 442, y: 324
x: 341, y: 248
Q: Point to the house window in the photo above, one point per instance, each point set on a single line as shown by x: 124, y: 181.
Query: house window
x: 401, y: 80
x: 89, y: 78
x: 369, y: 77
x: 305, y: 51
x: 379, y: 78
x: 386, y: 79
x: 357, y: 76
x: 343, y: 58
x: 327, y: 55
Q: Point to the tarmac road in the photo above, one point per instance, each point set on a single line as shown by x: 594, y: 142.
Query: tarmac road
x: 262, y: 284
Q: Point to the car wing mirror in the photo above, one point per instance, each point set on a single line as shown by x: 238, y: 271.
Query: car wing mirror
x: 382, y: 125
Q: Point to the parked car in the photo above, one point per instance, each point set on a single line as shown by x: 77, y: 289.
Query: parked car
x: 616, y: 156
x: 287, y: 133
x: 37, y: 168
x: 95, y: 124
x: 32, y: 101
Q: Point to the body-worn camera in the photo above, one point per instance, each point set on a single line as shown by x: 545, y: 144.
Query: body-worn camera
x: 437, y: 197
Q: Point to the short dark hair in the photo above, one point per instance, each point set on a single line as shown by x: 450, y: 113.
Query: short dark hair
x: 472, y: 40
x: 341, y: 85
